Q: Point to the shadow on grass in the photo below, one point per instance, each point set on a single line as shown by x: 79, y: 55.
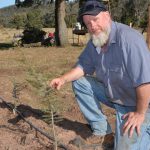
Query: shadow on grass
x: 5, y: 46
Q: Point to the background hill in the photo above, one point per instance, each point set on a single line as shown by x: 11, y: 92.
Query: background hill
x: 121, y: 10
x: 14, y: 17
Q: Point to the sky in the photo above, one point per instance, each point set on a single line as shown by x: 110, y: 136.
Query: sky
x: 4, y: 3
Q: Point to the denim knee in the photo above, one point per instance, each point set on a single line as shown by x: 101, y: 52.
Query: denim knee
x: 81, y: 83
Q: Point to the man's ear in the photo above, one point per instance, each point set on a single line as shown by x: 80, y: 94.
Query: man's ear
x: 106, y: 15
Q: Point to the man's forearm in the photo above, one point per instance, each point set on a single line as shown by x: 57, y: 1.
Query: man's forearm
x: 72, y: 75
x: 143, y: 98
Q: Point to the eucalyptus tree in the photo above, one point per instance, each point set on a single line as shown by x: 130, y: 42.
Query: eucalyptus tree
x: 61, y: 33
x: 141, y: 10
x: 130, y: 10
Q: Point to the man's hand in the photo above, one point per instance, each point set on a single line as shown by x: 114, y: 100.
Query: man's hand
x: 56, y: 83
x: 134, y: 122
x: 72, y: 75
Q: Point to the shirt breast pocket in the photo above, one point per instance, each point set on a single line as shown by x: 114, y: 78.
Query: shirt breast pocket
x: 118, y: 77
x: 115, y: 74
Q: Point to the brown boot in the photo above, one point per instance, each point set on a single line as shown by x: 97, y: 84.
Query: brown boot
x: 106, y: 141
x: 94, y: 139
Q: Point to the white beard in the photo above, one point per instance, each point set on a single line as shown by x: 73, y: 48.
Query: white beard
x: 101, y: 39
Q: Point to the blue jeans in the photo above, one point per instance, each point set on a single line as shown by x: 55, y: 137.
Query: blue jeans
x: 89, y: 93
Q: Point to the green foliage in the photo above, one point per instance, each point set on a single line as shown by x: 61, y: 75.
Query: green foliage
x: 17, y: 88
x: 38, y: 16
x: 47, y: 95
x: 19, y: 20
x: 130, y: 11
x: 28, y: 3
x: 50, y: 115
x: 36, y: 79
x: 34, y: 19
x: 127, y: 16
x: 70, y: 20
x: 48, y: 20
x: 25, y: 3
x: 144, y: 21
x: 2, y: 21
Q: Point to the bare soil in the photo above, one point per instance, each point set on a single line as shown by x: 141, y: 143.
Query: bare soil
x: 16, y: 134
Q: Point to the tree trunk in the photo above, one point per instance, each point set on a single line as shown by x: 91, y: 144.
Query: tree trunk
x: 51, y: 1
x: 148, y: 28
x: 61, y: 33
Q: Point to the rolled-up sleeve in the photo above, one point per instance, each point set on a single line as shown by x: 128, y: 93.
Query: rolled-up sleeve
x: 85, y: 60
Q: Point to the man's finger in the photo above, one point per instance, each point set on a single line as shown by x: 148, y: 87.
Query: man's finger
x: 138, y: 130
x: 126, y: 124
x: 58, y: 86
x: 125, y: 116
x: 131, y: 131
x: 126, y: 128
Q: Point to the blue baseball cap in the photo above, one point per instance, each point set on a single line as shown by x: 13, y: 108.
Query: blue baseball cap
x: 91, y: 7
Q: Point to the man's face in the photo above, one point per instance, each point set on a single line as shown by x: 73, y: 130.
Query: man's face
x: 99, y: 27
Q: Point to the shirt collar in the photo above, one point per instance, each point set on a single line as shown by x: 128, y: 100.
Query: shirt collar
x: 113, y: 37
x: 98, y: 49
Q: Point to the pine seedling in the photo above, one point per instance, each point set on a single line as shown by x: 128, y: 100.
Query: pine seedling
x: 17, y: 88
x: 47, y: 112
x: 53, y: 127
x: 49, y: 118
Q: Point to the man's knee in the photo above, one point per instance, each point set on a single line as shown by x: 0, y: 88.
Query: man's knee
x: 82, y: 83
x: 78, y: 82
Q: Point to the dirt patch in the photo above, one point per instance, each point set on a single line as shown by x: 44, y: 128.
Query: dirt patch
x: 17, y: 134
